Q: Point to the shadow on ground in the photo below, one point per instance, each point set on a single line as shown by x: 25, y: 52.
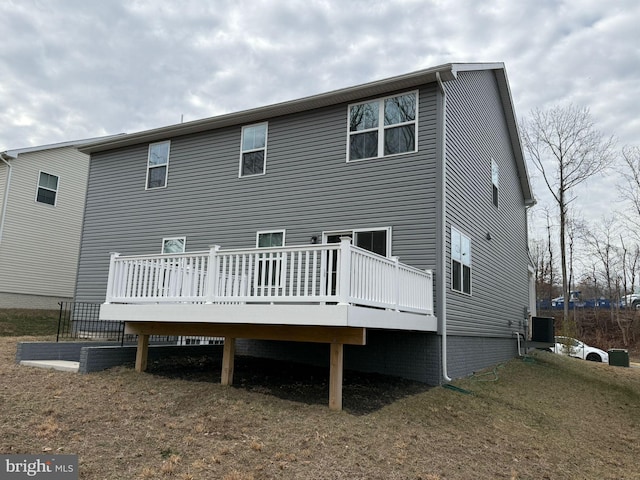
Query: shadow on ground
x: 362, y: 393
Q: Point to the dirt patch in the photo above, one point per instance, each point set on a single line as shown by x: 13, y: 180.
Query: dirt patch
x: 362, y: 392
x: 547, y: 417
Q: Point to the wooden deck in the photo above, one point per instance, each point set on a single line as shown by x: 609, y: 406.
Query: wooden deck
x: 311, y: 293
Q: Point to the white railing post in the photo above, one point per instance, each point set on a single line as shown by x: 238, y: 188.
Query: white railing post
x: 396, y: 287
x: 112, y: 277
x: 429, y: 298
x: 212, y: 275
x: 344, y: 275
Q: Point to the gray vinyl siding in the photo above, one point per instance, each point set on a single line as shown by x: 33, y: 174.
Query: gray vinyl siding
x: 40, y: 242
x: 477, y: 132
x: 308, y: 188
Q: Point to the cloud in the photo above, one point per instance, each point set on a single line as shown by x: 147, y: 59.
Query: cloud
x: 78, y: 69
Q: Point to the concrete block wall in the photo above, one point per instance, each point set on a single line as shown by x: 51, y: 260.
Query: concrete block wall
x: 69, y: 351
x: 411, y: 355
x: 466, y: 355
x: 95, y: 359
x: 95, y: 356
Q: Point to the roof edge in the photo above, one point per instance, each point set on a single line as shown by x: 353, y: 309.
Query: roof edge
x: 514, y: 134
x: 51, y: 146
x: 447, y: 72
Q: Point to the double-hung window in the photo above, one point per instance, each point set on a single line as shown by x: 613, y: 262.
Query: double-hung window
x: 460, y: 262
x: 382, y: 127
x: 253, y: 154
x: 158, y: 165
x: 47, y: 189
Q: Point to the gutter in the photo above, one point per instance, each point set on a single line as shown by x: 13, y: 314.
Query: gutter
x: 441, y: 284
x: 5, y: 159
x: 445, y: 72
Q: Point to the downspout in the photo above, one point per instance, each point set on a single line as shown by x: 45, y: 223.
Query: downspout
x: 5, y: 159
x: 441, y: 241
x: 517, y: 334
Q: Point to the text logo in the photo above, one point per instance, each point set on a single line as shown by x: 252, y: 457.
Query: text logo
x: 44, y: 467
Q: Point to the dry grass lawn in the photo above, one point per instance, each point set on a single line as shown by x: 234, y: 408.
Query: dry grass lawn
x: 545, y: 418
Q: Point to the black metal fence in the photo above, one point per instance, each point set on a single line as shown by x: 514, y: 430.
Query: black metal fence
x: 81, y: 321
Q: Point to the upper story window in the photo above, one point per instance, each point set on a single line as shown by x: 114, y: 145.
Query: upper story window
x: 494, y: 181
x: 253, y: 154
x: 174, y: 245
x: 158, y: 165
x: 460, y: 262
x: 47, y: 188
x: 382, y: 127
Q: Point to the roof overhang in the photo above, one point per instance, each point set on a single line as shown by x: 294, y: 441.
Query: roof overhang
x: 73, y: 143
x: 447, y: 72
x: 514, y: 135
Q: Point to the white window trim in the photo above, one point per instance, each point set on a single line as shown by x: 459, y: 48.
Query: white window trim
x: 468, y: 264
x: 350, y: 232
x: 38, y: 187
x: 264, y: 161
x: 381, y: 127
x: 262, y: 232
x: 184, y: 244
x: 149, y: 167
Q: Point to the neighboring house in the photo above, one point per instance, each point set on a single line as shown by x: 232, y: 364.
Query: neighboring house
x: 423, y: 170
x: 42, y: 194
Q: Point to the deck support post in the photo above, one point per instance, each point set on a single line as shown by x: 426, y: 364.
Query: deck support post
x: 228, y: 354
x: 335, y: 376
x: 142, y: 353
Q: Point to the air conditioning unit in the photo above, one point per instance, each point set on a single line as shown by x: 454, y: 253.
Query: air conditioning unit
x: 542, y: 330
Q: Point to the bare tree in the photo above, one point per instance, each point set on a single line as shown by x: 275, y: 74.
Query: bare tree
x: 601, y: 239
x: 566, y: 148
x: 573, y: 229
x: 543, y: 269
x: 551, y: 270
x: 629, y: 187
x: 630, y: 258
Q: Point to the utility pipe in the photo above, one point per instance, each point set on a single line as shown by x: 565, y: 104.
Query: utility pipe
x: 518, y: 335
x: 5, y: 159
x: 441, y: 285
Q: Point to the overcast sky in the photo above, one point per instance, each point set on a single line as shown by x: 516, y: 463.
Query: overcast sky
x: 75, y: 69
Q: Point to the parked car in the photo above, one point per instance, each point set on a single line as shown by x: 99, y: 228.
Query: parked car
x: 633, y: 300
x: 573, y: 297
x: 576, y: 348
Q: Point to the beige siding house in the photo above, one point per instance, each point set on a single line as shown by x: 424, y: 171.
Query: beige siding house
x: 42, y: 198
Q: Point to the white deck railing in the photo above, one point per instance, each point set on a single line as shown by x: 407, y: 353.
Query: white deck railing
x: 328, y: 273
